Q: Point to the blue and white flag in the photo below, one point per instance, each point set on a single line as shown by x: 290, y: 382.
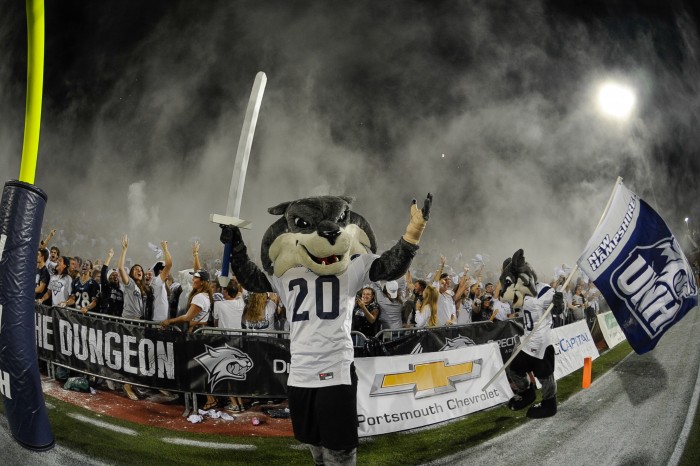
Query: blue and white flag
x: 639, y: 267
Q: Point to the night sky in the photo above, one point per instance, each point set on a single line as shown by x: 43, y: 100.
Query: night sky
x: 487, y: 104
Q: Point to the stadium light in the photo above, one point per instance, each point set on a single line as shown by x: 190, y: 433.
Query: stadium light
x: 616, y: 100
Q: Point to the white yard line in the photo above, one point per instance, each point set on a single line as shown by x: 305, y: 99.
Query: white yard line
x: 104, y: 425
x: 217, y: 445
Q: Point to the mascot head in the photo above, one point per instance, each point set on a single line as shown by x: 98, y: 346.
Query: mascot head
x: 319, y: 233
x: 517, y: 280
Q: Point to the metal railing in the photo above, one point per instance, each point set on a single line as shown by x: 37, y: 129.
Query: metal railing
x: 242, y: 331
x: 392, y: 334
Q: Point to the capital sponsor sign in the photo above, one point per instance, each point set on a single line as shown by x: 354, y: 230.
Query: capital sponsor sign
x: 612, y: 333
x: 572, y: 343
x: 397, y: 393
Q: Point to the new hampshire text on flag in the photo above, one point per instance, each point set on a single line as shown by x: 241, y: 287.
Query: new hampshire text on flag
x: 639, y: 267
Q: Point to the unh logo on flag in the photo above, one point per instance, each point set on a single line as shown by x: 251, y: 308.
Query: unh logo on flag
x: 653, y: 282
x: 639, y: 267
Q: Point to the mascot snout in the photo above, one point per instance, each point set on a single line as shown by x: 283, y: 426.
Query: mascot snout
x: 329, y: 230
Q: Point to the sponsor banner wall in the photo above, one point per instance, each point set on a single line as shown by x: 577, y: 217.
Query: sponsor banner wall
x: 218, y: 364
x: 572, y: 343
x: 397, y: 393
x: 612, y: 333
x: 505, y: 333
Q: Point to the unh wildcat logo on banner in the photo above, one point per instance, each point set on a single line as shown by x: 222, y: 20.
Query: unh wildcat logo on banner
x: 224, y: 363
x: 639, y: 267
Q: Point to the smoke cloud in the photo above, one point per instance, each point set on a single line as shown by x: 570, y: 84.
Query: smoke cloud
x: 142, y: 218
x: 488, y: 105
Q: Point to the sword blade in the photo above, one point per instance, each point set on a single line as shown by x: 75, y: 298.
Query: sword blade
x: 240, y: 165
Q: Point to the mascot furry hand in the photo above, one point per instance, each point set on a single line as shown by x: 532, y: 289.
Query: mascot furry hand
x: 315, y: 257
x: 532, y: 299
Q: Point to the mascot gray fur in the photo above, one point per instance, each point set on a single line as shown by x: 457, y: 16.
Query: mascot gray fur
x: 316, y: 257
x: 300, y: 222
x: 522, y: 290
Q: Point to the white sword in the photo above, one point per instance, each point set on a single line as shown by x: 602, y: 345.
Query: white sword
x: 240, y: 166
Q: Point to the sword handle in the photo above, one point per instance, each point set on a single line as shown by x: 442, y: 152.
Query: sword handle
x: 225, y: 265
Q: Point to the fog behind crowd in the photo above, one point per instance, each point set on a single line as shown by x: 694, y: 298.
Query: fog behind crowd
x: 488, y: 105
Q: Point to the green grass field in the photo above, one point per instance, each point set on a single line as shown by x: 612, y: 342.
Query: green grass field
x: 152, y: 445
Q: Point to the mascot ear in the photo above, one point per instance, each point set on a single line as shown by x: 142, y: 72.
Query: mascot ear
x: 279, y: 209
x: 276, y: 229
x: 519, y: 259
x: 506, y: 263
x: 360, y: 221
x: 348, y: 199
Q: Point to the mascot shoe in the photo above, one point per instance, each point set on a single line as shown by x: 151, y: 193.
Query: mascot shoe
x: 547, y: 408
x: 522, y: 399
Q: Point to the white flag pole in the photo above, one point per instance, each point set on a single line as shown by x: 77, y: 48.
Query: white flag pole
x: 539, y: 323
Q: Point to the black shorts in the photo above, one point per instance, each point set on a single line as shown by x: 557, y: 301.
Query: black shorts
x: 542, y: 368
x: 325, y: 416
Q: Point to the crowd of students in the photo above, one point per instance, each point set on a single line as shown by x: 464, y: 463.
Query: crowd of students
x: 152, y: 294
x: 442, y: 299
x: 196, y: 298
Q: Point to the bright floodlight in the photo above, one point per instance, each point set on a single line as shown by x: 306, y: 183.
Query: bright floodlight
x: 616, y: 100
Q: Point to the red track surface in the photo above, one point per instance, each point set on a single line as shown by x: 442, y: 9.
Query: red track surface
x: 157, y: 411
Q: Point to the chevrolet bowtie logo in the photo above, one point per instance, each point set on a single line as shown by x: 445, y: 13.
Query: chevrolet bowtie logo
x: 426, y: 379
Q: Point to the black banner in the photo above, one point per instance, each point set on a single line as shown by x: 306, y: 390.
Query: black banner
x: 245, y: 365
x: 221, y: 364
x: 505, y: 333
x: 115, y: 350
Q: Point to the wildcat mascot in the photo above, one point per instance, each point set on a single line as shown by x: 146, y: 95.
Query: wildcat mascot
x: 525, y: 294
x: 316, y: 257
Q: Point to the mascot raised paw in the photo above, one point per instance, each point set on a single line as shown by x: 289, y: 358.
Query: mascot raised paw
x: 522, y: 290
x: 316, y: 256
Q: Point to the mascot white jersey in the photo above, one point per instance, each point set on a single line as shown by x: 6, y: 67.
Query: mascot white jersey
x: 320, y: 322
x: 533, y: 309
x: 316, y: 257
